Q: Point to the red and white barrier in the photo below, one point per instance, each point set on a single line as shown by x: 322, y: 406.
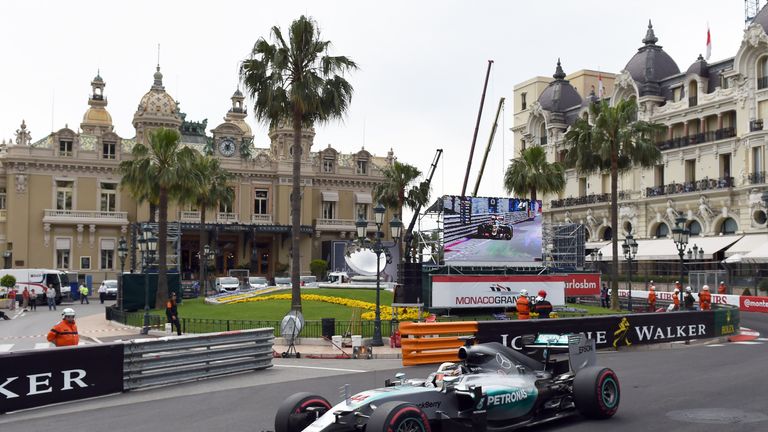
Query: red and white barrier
x: 745, y: 303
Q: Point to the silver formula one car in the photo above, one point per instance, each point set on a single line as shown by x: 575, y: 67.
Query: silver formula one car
x: 493, y: 388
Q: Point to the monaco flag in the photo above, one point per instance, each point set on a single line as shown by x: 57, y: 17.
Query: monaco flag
x: 709, y: 43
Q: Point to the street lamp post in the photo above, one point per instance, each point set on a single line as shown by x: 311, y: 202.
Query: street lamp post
x: 680, y: 235
x: 630, y: 251
x: 396, y: 227
x: 122, y: 253
x: 207, y: 254
x: 148, y: 245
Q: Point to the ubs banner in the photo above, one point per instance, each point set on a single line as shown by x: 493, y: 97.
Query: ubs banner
x: 609, y: 332
x: 41, y: 377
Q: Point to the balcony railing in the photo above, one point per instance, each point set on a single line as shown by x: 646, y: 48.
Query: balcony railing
x: 757, y: 177
x: 756, y: 125
x: 85, y: 216
x: 698, y: 138
x: 694, y: 186
x: 587, y: 199
x: 693, y: 101
x: 339, y: 224
x: 189, y: 216
x: 261, y: 219
x: 226, y: 217
x: 762, y: 82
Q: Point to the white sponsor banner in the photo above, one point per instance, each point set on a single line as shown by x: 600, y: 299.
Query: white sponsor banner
x: 482, y: 294
x: 726, y: 299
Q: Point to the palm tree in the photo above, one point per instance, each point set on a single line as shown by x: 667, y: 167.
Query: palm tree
x: 531, y: 174
x: 393, y: 193
x: 156, y: 174
x: 296, y: 80
x: 614, y: 142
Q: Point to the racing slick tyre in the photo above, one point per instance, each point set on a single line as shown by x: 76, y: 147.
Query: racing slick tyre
x: 596, y: 392
x: 398, y: 417
x: 508, y: 235
x: 299, y: 411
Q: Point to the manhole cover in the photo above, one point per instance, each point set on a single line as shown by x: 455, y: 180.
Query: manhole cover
x: 717, y: 416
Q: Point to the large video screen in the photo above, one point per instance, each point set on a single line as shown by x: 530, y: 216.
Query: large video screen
x: 491, y: 231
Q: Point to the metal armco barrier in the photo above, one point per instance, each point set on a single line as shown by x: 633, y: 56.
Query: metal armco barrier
x: 422, y: 345
x: 168, y: 361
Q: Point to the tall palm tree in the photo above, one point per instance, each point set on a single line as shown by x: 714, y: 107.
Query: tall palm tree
x: 614, y: 142
x: 531, y: 173
x: 394, y: 193
x: 296, y: 80
x: 156, y: 173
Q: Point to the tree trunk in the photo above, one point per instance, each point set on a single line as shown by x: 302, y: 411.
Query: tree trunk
x: 296, y: 216
x: 614, y: 227
x: 203, y: 241
x: 162, y: 250
x: 533, y: 202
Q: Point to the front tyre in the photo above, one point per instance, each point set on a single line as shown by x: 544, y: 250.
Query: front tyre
x: 299, y: 411
x: 596, y: 392
x: 398, y: 417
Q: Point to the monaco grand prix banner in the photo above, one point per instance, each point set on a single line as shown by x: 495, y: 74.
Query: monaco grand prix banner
x: 491, y: 291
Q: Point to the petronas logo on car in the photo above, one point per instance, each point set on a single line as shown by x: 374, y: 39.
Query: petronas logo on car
x: 507, y: 398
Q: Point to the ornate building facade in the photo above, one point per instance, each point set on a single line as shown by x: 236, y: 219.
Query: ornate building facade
x: 713, y: 143
x: 61, y: 205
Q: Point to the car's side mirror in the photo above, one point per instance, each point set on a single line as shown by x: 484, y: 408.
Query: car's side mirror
x: 400, y: 376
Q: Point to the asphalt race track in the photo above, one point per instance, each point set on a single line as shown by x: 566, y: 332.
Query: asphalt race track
x: 689, y: 388
x: 524, y: 247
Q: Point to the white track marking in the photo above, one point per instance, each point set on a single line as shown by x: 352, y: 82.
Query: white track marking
x: 319, y: 368
x: 42, y: 345
x: 5, y: 347
x: 748, y: 343
x: 716, y: 345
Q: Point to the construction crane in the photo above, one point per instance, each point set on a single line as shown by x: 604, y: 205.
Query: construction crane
x: 488, y: 147
x: 751, y: 8
x: 477, y: 126
x: 409, y: 231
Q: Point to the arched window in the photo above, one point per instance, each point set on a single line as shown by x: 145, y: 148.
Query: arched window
x: 762, y: 72
x: 607, y: 233
x: 693, y: 92
x: 728, y: 226
x: 695, y: 228
x: 542, y: 134
x: 662, y: 230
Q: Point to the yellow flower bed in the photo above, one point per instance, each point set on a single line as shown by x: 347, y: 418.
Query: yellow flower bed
x: 403, y: 314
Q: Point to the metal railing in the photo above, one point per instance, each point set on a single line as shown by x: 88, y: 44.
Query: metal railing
x: 165, y: 361
x: 694, y: 186
x: 587, y: 199
x: 693, y: 101
x: 757, y: 177
x: 697, y: 138
x: 756, y: 125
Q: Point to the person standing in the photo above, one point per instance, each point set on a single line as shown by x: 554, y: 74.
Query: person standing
x: 32, y: 301
x: 172, y: 314
x: 705, y: 298
x: 688, y: 300
x: 722, y: 289
x: 675, y: 306
x: 102, y: 292
x: 50, y: 297
x: 523, y: 305
x: 83, y: 294
x: 542, y: 306
x: 12, y: 297
x: 604, y: 296
x: 652, y: 298
x: 24, y: 299
x: 65, y: 332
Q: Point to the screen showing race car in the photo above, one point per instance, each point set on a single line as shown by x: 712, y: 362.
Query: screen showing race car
x: 491, y: 231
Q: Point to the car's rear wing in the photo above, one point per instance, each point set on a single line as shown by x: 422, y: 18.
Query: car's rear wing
x: 580, y: 348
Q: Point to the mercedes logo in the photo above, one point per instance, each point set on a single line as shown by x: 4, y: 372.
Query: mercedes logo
x: 504, y: 362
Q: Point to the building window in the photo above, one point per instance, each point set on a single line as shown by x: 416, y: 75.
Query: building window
x: 361, y: 211
x: 725, y: 165
x: 728, y: 226
x: 65, y: 148
x: 762, y: 72
x: 582, y: 186
x: 723, y: 82
x: 107, y: 259
x: 658, y: 175
x: 260, y: 199
x: 227, y: 208
x: 757, y: 159
x: 64, y: 192
x: 327, y: 165
x: 695, y: 228
x: 662, y: 230
x: 108, y: 201
x: 63, y: 253
x: 690, y: 170
x: 108, y: 150
x: 523, y: 101
x: 85, y: 263
x: 2, y: 198
x: 329, y: 210
x: 362, y: 166
x: 606, y: 183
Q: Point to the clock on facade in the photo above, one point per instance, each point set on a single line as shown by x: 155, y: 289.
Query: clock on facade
x: 227, y: 147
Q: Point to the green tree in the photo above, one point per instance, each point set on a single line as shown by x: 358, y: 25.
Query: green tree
x: 157, y: 173
x: 615, y: 142
x: 531, y: 174
x: 399, y: 188
x: 8, y: 281
x: 318, y: 267
x: 296, y: 80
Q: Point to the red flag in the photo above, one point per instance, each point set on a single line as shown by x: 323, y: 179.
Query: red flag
x: 709, y: 43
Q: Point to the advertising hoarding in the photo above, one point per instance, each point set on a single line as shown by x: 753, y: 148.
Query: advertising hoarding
x: 490, y: 291
x: 491, y: 231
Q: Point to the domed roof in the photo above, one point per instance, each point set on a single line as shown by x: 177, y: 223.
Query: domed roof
x: 699, y: 67
x: 237, y: 94
x: 559, y: 94
x: 157, y: 103
x: 97, y: 116
x: 762, y: 18
x: 651, y: 63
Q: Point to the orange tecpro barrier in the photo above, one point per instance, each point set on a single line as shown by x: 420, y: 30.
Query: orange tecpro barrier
x: 425, y: 343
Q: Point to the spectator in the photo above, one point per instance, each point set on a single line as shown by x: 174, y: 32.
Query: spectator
x: 83, y: 294
x: 24, y: 299
x: 32, y: 301
x: 50, y: 297
x: 65, y: 332
x: 523, y: 305
x: 688, y: 300
x: 542, y: 306
x: 102, y: 291
x: 705, y: 298
x: 172, y: 313
x: 12, y: 297
x: 652, y: 298
x: 604, y: 296
x: 722, y: 289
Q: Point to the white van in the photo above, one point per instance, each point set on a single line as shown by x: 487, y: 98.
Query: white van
x: 35, y: 280
x: 227, y: 284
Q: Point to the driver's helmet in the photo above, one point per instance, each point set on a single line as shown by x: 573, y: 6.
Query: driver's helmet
x: 445, y: 369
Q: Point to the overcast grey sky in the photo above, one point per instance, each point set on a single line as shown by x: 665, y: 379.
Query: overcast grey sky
x: 422, y: 63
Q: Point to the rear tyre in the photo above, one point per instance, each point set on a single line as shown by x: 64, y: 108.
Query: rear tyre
x: 596, y: 392
x: 295, y: 413
x: 508, y: 235
x: 398, y: 417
